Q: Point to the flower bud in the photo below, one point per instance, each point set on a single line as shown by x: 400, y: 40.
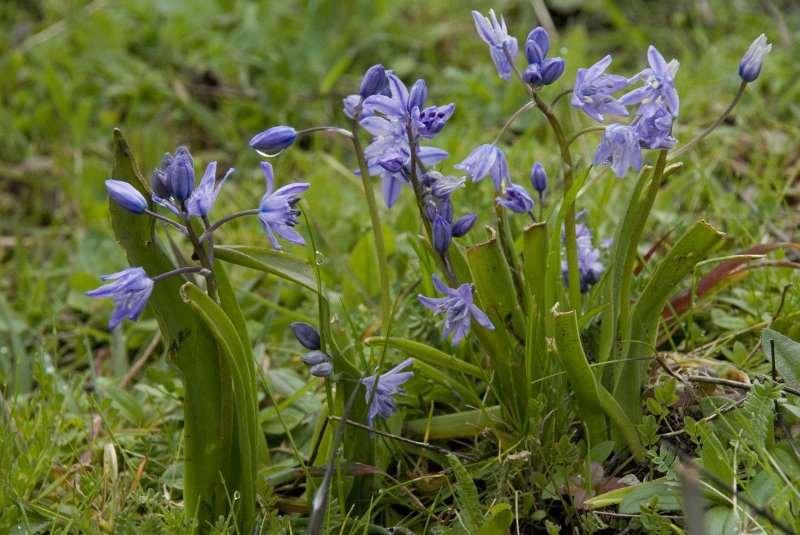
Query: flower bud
x: 537, y: 45
x: 323, y: 369
x: 538, y: 178
x: 315, y: 357
x: 180, y: 174
x: 753, y: 59
x: 274, y: 140
x: 552, y: 69
x: 417, y: 95
x: 126, y: 196
x: 374, y: 81
x: 442, y: 234
x: 159, y: 181
x: 463, y: 225
x: 306, y: 335
x: 516, y: 199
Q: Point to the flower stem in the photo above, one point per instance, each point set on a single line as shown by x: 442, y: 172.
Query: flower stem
x: 166, y: 220
x: 560, y: 96
x: 211, y: 228
x: 580, y: 133
x: 525, y: 107
x: 702, y: 135
x: 333, y: 129
x: 181, y: 271
x: 573, y: 275
x: 202, y: 256
x: 377, y: 230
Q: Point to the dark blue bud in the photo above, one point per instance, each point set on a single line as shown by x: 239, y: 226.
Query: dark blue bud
x: 306, y: 335
x: 430, y: 209
x: 374, y: 81
x: 417, y: 95
x: 126, y: 196
x: 538, y: 178
x: 273, y: 140
x: 180, y: 174
x: 442, y: 234
x: 323, y: 369
x: 537, y: 45
x: 753, y: 59
x: 463, y: 225
x: 315, y: 357
x: 533, y: 74
x: 159, y: 180
x: 552, y: 69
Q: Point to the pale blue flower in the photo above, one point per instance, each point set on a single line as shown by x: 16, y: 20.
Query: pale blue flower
x: 753, y: 59
x: 619, y: 149
x: 382, y: 389
x: 486, y: 160
x: 458, y: 307
x: 205, y: 194
x: 653, y: 125
x: 516, y: 199
x: 277, y: 211
x: 130, y: 289
x: 659, y: 83
x: 594, y: 89
x: 502, y: 46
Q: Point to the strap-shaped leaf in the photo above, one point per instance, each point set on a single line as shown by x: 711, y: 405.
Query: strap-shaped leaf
x: 276, y: 263
x: 427, y: 354
x: 244, y: 393
x: 593, y: 399
x: 191, y: 345
x: 691, y: 248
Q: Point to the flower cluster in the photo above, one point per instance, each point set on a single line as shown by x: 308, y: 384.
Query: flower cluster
x: 436, y: 192
x: 397, y: 122
x: 541, y: 70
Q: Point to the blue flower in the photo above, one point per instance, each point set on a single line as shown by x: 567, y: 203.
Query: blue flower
x: 458, y: 307
x: 277, y: 211
x: 619, y: 149
x: 501, y: 45
x: 486, y: 160
x: 374, y: 82
x: 442, y: 186
x: 273, y: 140
x: 125, y: 195
x: 516, y: 199
x: 180, y: 174
x: 753, y: 59
x: 463, y: 225
x: 593, y: 90
x: 589, y: 264
x: 659, y: 83
x: 130, y: 290
x: 541, y: 70
x: 389, y: 155
x: 203, y: 197
x: 382, y: 389
x: 538, y: 178
x: 158, y: 179
x: 653, y: 126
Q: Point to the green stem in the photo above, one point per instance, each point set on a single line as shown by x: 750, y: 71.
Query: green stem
x: 573, y: 276
x: 377, y: 230
x: 702, y: 135
x: 507, y: 246
x: 580, y: 133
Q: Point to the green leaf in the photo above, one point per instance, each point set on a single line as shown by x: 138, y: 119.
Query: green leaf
x: 278, y: 263
x: 457, y: 425
x: 787, y: 355
x: 427, y: 354
x: 497, y: 520
x: 466, y: 495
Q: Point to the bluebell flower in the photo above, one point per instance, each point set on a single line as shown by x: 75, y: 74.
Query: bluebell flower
x: 130, y: 289
x: 659, y: 83
x: 538, y: 178
x: 541, y: 70
x: 594, y: 89
x: 589, y: 264
x: 516, y: 199
x: 442, y: 186
x: 158, y: 179
x: 273, y: 140
x: 407, y: 108
x: 442, y: 234
x: 653, y: 126
x: 458, y: 307
x: 502, y: 46
x: 389, y: 155
x: 205, y: 194
x: 382, y: 389
x: 306, y: 334
x: 463, y: 225
x: 753, y: 59
x: 180, y: 174
x: 277, y: 211
x: 619, y: 149
x: 323, y: 369
x: 486, y: 160
x: 125, y: 195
